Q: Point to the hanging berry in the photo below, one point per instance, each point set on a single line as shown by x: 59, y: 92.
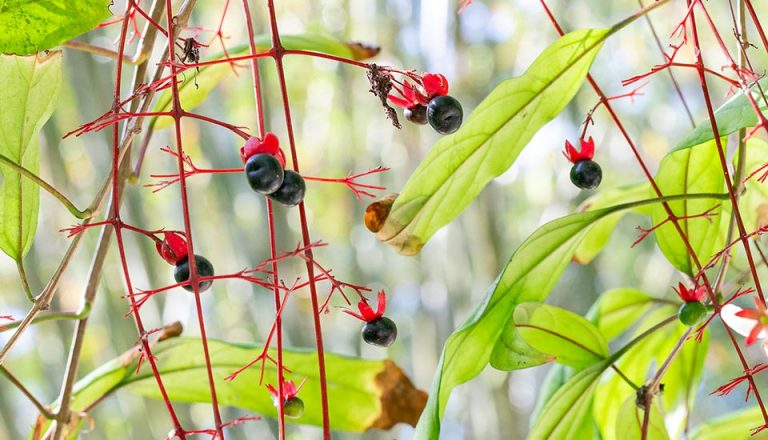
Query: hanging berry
x: 291, y: 192
x: 585, y: 173
x: 378, y: 329
x: 265, y: 170
x: 293, y: 406
x: 173, y: 249
x: 264, y: 173
x: 427, y: 101
x: 693, y: 310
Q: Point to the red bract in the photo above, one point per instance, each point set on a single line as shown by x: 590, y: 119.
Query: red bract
x: 270, y: 145
x: 690, y: 295
x: 586, y: 153
x: 366, y: 312
x: 290, y: 390
x: 429, y: 85
x: 173, y: 248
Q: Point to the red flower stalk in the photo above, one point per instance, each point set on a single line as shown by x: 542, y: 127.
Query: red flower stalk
x: 587, y: 151
x: 427, y: 87
x: 173, y: 248
x: 290, y: 390
x: 366, y: 312
x: 690, y: 295
x: 269, y: 145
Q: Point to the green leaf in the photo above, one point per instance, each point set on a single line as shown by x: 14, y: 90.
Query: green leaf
x: 568, y: 407
x: 618, y: 309
x: 570, y: 338
x: 598, y: 236
x: 732, y: 426
x: 31, y: 26
x: 681, y: 381
x: 556, y: 377
x: 735, y: 114
x: 635, y: 364
x: 197, y: 86
x: 513, y: 353
x: 363, y: 394
x: 30, y: 89
x: 529, y: 275
x: 459, y: 166
x: 692, y: 170
x: 629, y: 423
x: 753, y: 203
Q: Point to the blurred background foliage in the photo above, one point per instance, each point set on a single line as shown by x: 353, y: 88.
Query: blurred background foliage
x: 340, y: 129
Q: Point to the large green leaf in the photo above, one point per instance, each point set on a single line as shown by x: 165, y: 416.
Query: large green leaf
x: 731, y: 117
x: 629, y: 423
x: 598, y: 235
x: 30, y: 89
x: 363, y: 394
x: 513, y: 353
x: 459, y: 166
x: 571, y: 339
x: 732, y: 426
x: 618, y: 309
x: 31, y: 26
x: 693, y: 170
x: 753, y: 203
x: 198, y: 85
x: 529, y: 275
x: 569, y: 407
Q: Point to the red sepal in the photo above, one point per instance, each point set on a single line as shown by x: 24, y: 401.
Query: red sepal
x: 173, y: 248
x: 290, y: 390
x: 270, y: 145
x: 587, y: 151
x: 690, y: 295
x: 366, y: 312
x: 435, y: 84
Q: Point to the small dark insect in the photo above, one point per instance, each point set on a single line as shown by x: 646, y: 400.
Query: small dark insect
x: 191, y: 54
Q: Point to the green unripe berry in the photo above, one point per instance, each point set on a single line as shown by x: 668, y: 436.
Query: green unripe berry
x: 691, y: 313
x: 293, y: 407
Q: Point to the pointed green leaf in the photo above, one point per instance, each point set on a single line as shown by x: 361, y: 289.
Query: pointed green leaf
x: 513, y: 353
x: 459, y: 166
x: 693, y: 170
x: 31, y: 26
x: 198, y: 85
x: 30, y: 89
x: 731, y: 117
x: 629, y: 423
x: 598, y: 236
x: 568, y: 407
x: 363, y: 394
x: 732, y: 426
x: 618, y: 309
x: 570, y: 338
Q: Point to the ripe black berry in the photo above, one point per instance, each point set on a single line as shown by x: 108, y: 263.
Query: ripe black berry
x: 586, y: 174
x: 417, y: 115
x: 204, y: 269
x: 291, y: 192
x: 293, y: 407
x: 381, y: 331
x: 444, y: 114
x: 264, y: 173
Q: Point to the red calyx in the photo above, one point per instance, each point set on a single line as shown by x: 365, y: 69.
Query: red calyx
x: 429, y: 86
x: 690, y: 295
x: 366, y: 312
x: 270, y: 145
x: 173, y: 248
x: 587, y: 151
x: 290, y: 389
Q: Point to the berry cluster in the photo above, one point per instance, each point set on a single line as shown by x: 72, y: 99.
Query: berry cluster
x: 428, y: 101
x: 265, y: 170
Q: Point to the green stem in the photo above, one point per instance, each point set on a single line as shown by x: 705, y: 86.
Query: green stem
x: 17, y: 383
x: 53, y: 316
x: 81, y: 214
x: 24, y: 279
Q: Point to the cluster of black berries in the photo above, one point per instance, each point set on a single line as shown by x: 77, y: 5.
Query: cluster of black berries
x: 265, y: 170
x: 428, y: 102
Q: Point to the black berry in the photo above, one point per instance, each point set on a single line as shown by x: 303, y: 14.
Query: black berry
x: 586, y: 174
x: 264, y: 173
x: 293, y: 407
x: 381, y: 331
x: 444, y: 114
x: 204, y: 269
x: 417, y: 115
x: 692, y: 312
x: 291, y: 192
